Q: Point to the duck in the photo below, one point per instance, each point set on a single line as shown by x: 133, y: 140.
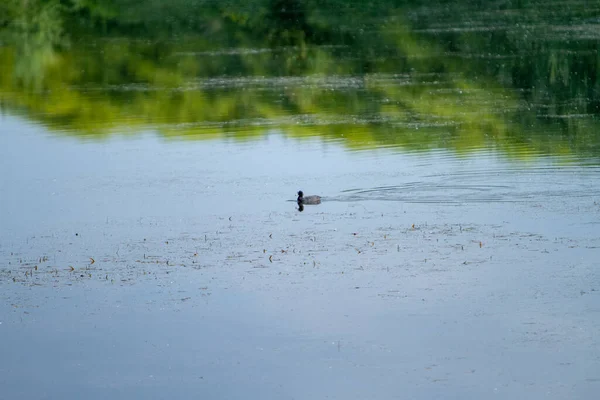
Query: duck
x: 302, y: 199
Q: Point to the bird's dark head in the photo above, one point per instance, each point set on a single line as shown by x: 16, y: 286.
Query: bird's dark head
x: 300, y: 194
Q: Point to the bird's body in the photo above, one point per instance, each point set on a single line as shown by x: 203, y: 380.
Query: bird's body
x: 302, y: 199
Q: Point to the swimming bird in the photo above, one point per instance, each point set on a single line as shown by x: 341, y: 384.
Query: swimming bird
x: 308, y: 199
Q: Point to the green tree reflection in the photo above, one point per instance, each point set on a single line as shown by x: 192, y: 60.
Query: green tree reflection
x: 415, y: 76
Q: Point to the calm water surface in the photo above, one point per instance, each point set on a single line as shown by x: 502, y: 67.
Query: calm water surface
x: 424, y: 274
x: 151, y: 245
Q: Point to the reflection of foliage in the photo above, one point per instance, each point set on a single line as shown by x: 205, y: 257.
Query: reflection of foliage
x: 35, y: 28
x: 546, y: 51
x: 287, y: 21
x: 305, y: 67
x: 97, y: 9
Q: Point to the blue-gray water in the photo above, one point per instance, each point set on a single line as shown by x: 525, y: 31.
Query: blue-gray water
x: 139, y: 268
x: 151, y: 246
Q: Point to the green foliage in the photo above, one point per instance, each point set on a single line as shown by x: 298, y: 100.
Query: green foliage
x: 371, y: 74
x: 98, y: 9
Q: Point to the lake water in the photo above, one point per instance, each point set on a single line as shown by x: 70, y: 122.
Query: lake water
x: 151, y: 245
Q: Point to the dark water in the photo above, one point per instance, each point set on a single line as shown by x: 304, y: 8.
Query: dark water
x: 151, y: 247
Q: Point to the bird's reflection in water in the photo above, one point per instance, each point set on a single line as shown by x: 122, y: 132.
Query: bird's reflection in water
x: 302, y: 200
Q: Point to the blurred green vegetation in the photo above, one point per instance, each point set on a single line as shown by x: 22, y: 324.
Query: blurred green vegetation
x: 520, y: 76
